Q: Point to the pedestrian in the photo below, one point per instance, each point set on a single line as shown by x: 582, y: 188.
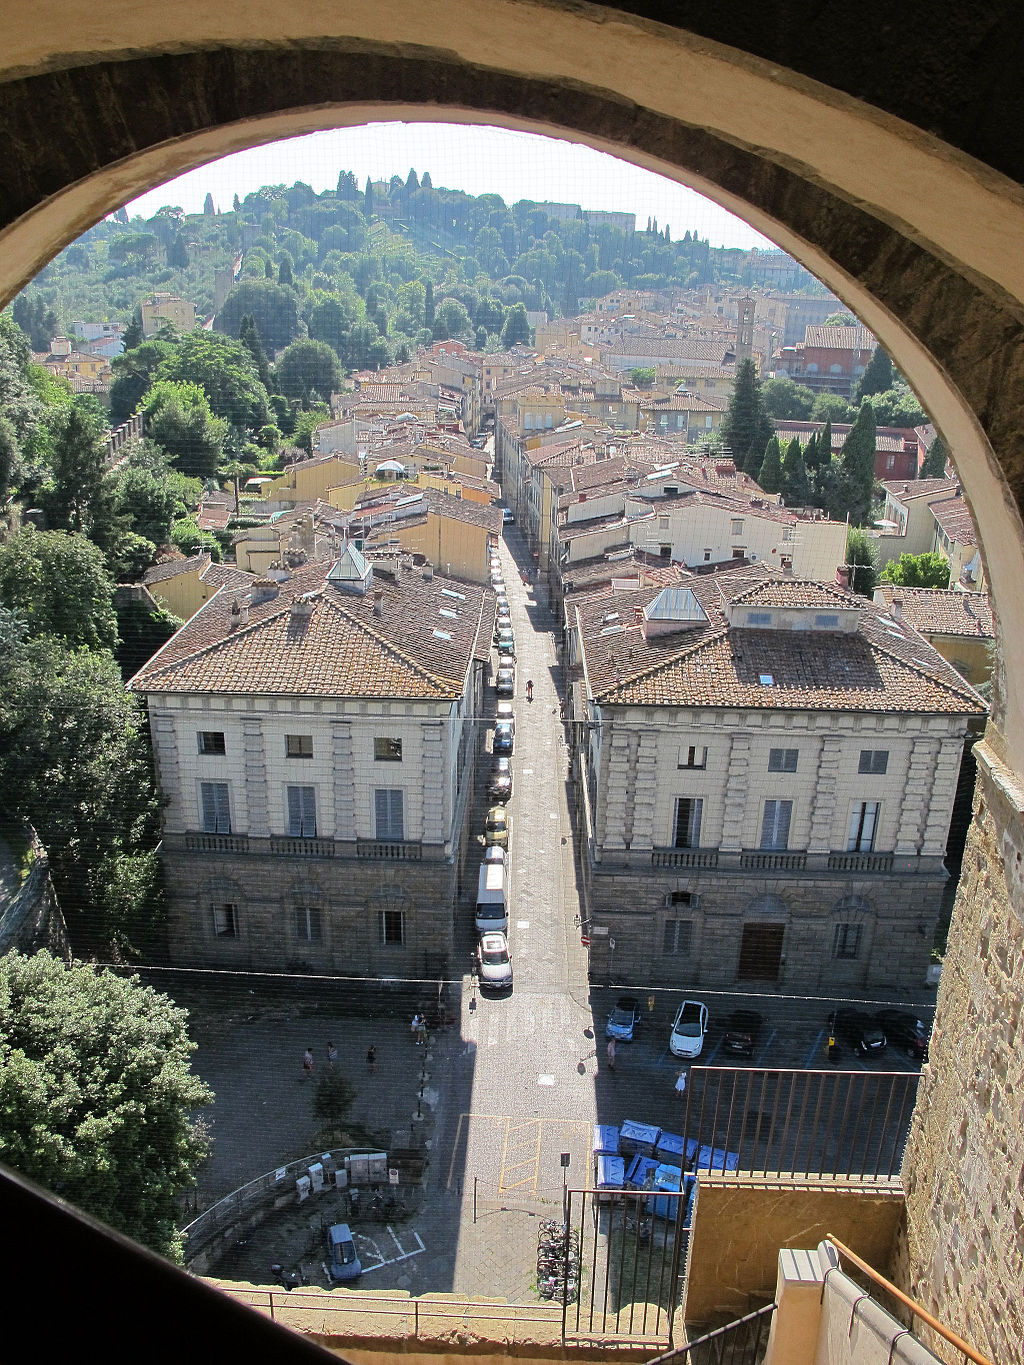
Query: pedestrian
x: 307, y: 1062
x: 332, y: 1054
x: 371, y: 1059
x: 416, y: 1029
x: 681, y: 1083
x: 610, y: 1053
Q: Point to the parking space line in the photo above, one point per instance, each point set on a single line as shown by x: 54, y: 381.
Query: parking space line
x: 713, y: 1054
x: 764, y: 1051
x: 815, y: 1046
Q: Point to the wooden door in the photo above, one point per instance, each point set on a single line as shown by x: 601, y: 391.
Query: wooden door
x: 761, y: 952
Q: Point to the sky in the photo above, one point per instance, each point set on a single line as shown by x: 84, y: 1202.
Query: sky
x: 478, y: 160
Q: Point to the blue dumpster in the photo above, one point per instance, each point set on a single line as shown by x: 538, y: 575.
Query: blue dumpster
x: 606, y: 1139
x: 638, y: 1137
x: 671, y: 1149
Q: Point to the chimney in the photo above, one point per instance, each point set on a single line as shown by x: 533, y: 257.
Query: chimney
x: 843, y: 575
x: 302, y: 607
x: 239, y: 614
x: 638, y: 616
x: 896, y: 607
x: 263, y: 590
x: 378, y: 602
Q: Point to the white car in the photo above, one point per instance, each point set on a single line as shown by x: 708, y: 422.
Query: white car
x: 689, y: 1029
x: 494, y: 962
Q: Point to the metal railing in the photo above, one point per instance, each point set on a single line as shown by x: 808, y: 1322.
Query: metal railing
x: 742, y: 1342
x: 620, y: 1275
x: 968, y: 1352
x: 841, y: 1124
x: 411, y: 1314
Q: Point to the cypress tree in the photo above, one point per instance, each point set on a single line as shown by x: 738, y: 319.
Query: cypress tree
x: 747, y: 424
x: 825, y: 445
x: 795, y: 488
x: 811, y: 453
x: 237, y: 203
x: 934, y: 464
x: 208, y: 209
x: 368, y: 201
x: 857, y: 465
x: 877, y: 376
x: 428, y: 305
x: 249, y: 336
x: 770, y: 474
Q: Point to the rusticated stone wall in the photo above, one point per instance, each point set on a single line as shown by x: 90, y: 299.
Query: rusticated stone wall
x: 962, y: 1253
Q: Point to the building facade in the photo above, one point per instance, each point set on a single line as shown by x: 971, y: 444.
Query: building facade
x: 314, y: 745
x: 766, y: 770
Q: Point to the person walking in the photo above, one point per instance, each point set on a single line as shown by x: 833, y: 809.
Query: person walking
x: 610, y: 1054
x: 371, y: 1059
x: 417, y: 1028
x: 307, y: 1063
x: 529, y: 690
x: 681, y: 1083
x: 332, y: 1054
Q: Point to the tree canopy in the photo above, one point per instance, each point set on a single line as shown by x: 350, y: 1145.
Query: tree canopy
x: 933, y: 466
x: 57, y: 583
x: 97, y: 1094
x: 225, y: 371
x: 178, y: 419
x: 308, y: 369
x: 928, y: 570
x: 860, y: 559
x: 857, y: 465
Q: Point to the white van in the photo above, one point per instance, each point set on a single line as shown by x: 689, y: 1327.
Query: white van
x: 492, y: 898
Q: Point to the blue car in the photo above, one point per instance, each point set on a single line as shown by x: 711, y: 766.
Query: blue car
x: 624, y: 1019
x: 342, y: 1257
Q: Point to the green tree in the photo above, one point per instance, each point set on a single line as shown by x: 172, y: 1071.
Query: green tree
x: 249, y: 336
x: 898, y: 407
x: 133, y: 374
x: 177, y: 253
x: 929, y: 570
x: 516, y: 329
x: 208, y: 208
x: 77, y: 458
x: 148, y: 501
x: 428, y: 304
x: 97, y: 1094
x: 225, y: 371
x: 451, y: 319
x: 857, y: 465
x: 795, y: 488
x: 769, y: 476
x: 860, y: 559
x: 643, y: 377
x: 877, y: 376
x: 58, y: 584
x: 273, y: 306
x: 179, y: 419
x: 308, y: 369
x: 284, y: 269
x: 306, y: 424
x: 786, y: 400
x: 933, y: 466
x: 133, y: 332
x: 75, y: 762
x: 832, y: 408
x: 746, y: 426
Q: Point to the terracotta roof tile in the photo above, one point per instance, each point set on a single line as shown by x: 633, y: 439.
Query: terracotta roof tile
x: 937, y: 611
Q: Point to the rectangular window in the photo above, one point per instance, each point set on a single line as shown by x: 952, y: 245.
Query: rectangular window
x: 211, y: 741
x: 389, y: 813
x: 847, y: 941
x: 298, y: 746
x: 826, y: 621
x: 392, y: 928
x: 737, y: 526
x: 860, y: 836
x: 663, y: 523
x: 873, y: 761
x: 387, y: 750
x: 707, y: 556
x: 759, y: 618
x: 308, y: 926
x: 216, y: 807
x: 678, y: 937
x: 225, y: 921
x: 690, y: 898
x: 688, y: 815
x: 693, y: 756
x: 302, y: 812
x: 739, y: 552
x: 782, y: 760
x: 775, y: 824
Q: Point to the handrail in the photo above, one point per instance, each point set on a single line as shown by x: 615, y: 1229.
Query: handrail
x: 946, y: 1333
x: 679, y: 1353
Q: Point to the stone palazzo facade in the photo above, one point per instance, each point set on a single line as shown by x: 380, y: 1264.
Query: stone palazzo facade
x: 766, y: 771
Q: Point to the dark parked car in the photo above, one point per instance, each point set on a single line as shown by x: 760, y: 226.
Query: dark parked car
x: 862, y: 1032
x: 505, y: 682
x: 905, y: 1030
x: 499, y: 784
x: 624, y: 1019
x: 342, y: 1257
x: 743, y: 1028
x: 504, y: 738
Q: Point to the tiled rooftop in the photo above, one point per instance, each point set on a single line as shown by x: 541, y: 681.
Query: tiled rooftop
x: 935, y: 611
x: 341, y: 649
x: 883, y: 667
x: 954, y: 516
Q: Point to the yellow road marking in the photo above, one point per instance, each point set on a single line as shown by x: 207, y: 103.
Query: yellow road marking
x: 521, y: 1147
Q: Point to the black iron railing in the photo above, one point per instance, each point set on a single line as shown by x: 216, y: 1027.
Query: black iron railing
x: 742, y: 1342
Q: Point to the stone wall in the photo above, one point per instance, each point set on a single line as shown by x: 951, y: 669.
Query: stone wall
x: 32, y: 919
x: 350, y: 895
x: 895, y: 914
x: 963, y: 1252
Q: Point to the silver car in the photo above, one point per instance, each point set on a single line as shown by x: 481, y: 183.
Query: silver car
x: 494, y: 962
